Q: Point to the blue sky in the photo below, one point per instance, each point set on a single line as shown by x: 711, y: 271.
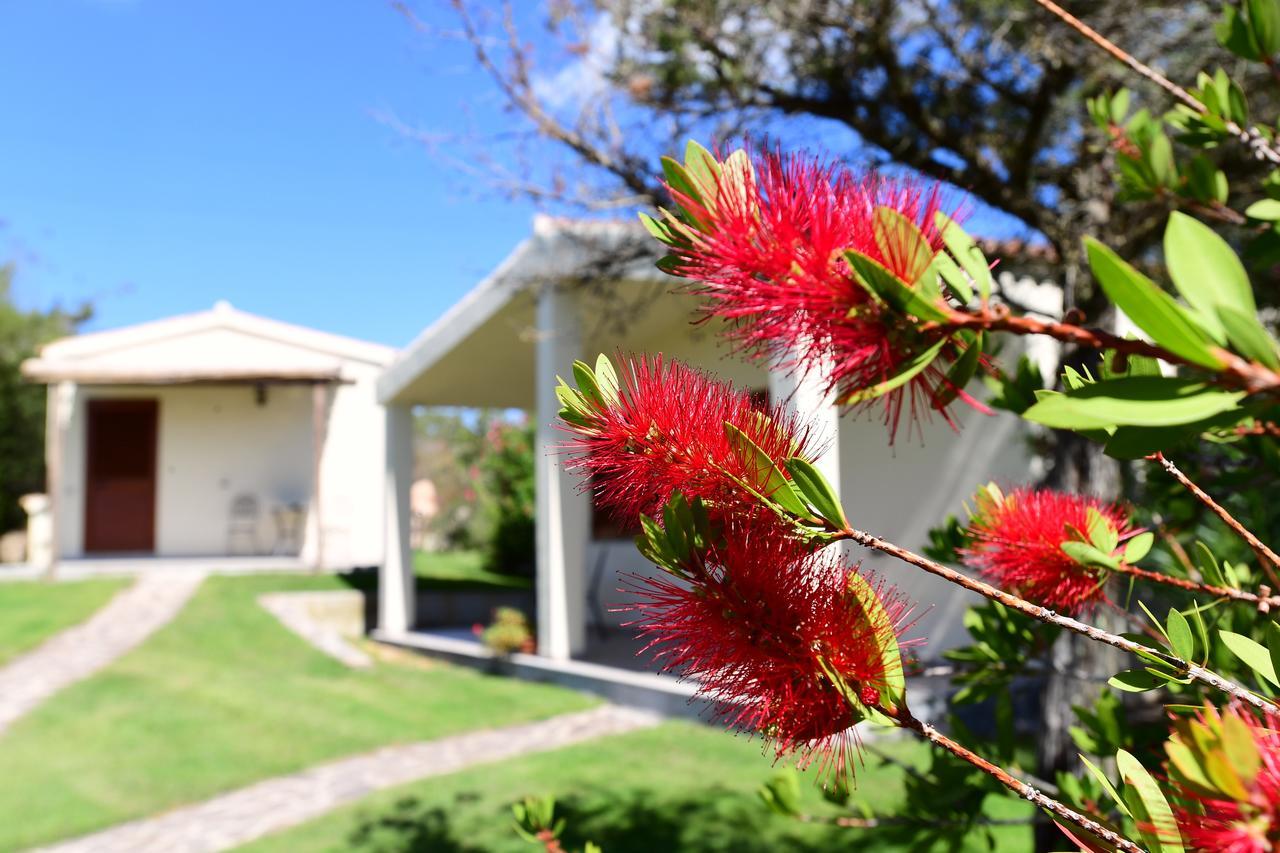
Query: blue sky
x: 158, y: 156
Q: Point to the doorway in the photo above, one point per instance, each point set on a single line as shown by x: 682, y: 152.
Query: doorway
x: 120, y: 476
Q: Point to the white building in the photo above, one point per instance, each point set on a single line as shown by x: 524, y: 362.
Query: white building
x: 505, y: 343
x: 216, y: 434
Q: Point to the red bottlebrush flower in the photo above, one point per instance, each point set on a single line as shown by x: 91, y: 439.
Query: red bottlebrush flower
x: 1016, y: 541
x: 767, y: 248
x: 1235, y: 807
x: 666, y: 432
x: 756, y: 629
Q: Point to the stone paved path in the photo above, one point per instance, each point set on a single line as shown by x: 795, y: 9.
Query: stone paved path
x: 127, y: 620
x: 241, y: 816
x: 297, y: 612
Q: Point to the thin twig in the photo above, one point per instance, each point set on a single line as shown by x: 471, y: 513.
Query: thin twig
x: 1263, y: 602
x: 1268, y: 558
x: 1251, y: 138
x: 1027, y: 792
x: 1044, y: 614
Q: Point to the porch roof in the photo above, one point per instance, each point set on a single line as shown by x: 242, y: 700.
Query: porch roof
x: 481, y: 351
x: 222, y: 345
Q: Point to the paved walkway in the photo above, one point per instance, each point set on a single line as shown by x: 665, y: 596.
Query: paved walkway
x: 303, y: 613
x: 276, y: 804
x: 76, y: 653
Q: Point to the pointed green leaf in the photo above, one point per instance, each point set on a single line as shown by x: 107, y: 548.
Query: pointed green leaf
x: 815, y: 489
x: 607, y: 380
x: 909, y: 370
x: 890, y: 289
x: 1254, y: 654
x: 1105, y: 783
x: 1264, y: 22
x: 960, y: 374
x: 1156, y: 822
x: 1266, y: 210
x: 1249, y: 337
x: 1208, y: 565
x: 1135, y: 681
x: 1138, y: 547
x: 1088, y: 555
x: 1132, y: 401
x: 766, y: 477
x: 900, y: 239
x: 966, y: 252
x: 869, y: 608
x: 1181, y: 640
x: 1150, y: 308
x: 1206, y: 271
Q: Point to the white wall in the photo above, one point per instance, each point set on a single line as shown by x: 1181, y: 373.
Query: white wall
x: 215, y: 442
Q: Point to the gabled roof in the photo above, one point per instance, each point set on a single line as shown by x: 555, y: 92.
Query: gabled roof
x: 221, y: 344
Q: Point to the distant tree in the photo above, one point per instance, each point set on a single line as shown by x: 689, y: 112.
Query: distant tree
x: 22, y: 405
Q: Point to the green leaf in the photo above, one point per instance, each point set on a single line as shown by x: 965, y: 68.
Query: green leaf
x: 1235, y: 34
x: 1135, y: 681
x: 1105, y: 783
x: 1132, y: 401
x: 1249, y: 337
x: 1208, y: 565
x: 1264, y: 22
x: 910, y: 369
x: 899, y: 238
x: 766, y: 477
x: 1156, y: 822
x: 1088, y: 555
x: 870, y: 611
x: 678, y: 179
x: 607, y: 380
x: 1178, y: 629
x: 1273, y: 645
x: 1138, y: 547
x: 702, y: 169
x: 587, y: 385
x: 945, y: 267
x: 1149, y: 307
x: 890, y: 289
x: 1266, y: 210
x: 1101, y: 532
x: 966, y: 252
x: 1254, y: 654
x: 1206, y: 271
x: 815, y: 489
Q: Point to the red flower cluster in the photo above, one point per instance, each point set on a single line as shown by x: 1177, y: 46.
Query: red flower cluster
x: 666, y: 432
x: 762, y: 628
x: 767, y: 248
x: 1016, y: 541
x: 1246, y: 818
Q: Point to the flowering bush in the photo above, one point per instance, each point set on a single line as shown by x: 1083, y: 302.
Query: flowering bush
x: 872, y: 285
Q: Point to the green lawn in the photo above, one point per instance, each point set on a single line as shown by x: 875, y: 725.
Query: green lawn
x: 219, y: 698
x: 461, y: 570
x: 680, y: 786
x: 33, y: 611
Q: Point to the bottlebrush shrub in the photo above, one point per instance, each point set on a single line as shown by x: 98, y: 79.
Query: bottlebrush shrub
x: 1225, y: 770
x: 784, y: 247
x: 791, y: 645
x: 1050, y: 547
x: 661, y: 427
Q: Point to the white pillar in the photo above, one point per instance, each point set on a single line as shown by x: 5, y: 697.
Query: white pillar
x: 562, y: 513
x: 804, y: 394
x: 61, y: 398
x: 396, y: 601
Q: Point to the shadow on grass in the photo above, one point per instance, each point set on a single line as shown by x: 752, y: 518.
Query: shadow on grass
x: 634, y: 821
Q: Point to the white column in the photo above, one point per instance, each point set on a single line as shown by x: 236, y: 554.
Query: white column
x: 562, y: 513
x: 61, y: 397
x: 804, y: 395
x: 396, y: 601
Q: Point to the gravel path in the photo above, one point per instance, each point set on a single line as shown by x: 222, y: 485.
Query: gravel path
x: 273, y: 805
x: 76, y: 653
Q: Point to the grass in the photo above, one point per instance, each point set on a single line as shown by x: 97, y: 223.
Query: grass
x: 680, y: 786
x: 32, y: 611
x: 461, y: 570
x: 221, y: 697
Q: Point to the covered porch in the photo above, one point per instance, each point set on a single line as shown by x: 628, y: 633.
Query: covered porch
x: 503, y: 346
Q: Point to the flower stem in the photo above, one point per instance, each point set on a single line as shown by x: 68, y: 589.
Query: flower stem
x: 1027, y: 792
x: 1236, y: 372
x: 1269, y: 560
x: 1044, y: 614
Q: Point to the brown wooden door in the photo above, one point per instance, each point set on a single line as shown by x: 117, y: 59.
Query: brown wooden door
x: 120, y: 481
